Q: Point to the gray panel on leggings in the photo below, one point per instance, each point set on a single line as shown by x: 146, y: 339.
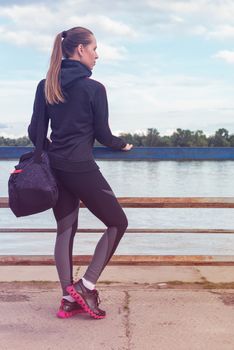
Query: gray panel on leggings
x: 109, y: 192
x: 66, y: 222
x: 61, y: 249
x: 101, y: 254
x: 61, y: 253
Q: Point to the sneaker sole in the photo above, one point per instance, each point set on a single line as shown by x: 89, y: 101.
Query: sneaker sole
x: 71, y: 290
x: 68, y: 314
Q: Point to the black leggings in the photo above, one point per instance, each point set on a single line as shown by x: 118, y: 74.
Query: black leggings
x: 94, y: 191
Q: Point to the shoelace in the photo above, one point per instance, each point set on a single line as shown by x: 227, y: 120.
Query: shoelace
x: 95, y: 292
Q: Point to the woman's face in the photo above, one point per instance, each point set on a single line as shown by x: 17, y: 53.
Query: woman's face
x: 88, y: 54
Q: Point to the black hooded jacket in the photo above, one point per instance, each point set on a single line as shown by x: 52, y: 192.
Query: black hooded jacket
x: 77, y: 122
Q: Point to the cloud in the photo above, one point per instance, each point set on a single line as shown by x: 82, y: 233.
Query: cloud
x: 148, y: 87
x: 176, y: 19
x: 105, y: 24
x: 215, y: 10
x: 165, y: 98
x: 15, y: 116
x: 108, y: 52
x: 19, y: 28
x: 222, y: 32
x: 3, y: 126
x: 210, y: 19
x: 176, y: 6
x: 26, y: 38
x: 226, y: 55
x: 200, y: 30
x: 44, y: 43
x: 115, y: 26
x: 21, y: 16
x: 138, y: 102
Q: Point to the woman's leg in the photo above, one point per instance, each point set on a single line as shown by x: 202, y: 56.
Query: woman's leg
x: 98, y: 197
x: 66, y: 215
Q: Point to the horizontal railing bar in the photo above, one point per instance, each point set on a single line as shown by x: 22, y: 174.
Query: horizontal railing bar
x: 141, y: 153
x: 163, y: 202
x: 123, y: 260
x: 130, y: 230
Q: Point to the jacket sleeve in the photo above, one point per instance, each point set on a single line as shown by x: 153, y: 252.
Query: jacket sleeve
x: 102, y: 130
x: 33, y: 126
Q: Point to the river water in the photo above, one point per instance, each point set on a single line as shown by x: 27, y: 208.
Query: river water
x: 140, y: 179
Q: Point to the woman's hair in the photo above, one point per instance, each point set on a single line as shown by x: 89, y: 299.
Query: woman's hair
x: 64, y: 47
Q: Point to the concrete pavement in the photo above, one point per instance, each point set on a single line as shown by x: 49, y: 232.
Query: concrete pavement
x: 148, y: 307
x: 126, y: 274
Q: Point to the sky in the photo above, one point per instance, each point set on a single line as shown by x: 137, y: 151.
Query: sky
x: 166, y: 64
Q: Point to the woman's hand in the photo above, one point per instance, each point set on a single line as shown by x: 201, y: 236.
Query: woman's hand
x: 127, y: 147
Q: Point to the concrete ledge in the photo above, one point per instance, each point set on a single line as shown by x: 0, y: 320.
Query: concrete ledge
x: 126, y: 274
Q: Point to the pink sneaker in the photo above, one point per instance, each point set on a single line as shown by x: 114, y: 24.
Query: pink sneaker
x: 68, y: 309
x: 88, y: 299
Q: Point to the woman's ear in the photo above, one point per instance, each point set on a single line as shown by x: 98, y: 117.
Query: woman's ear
x: 80, y: 50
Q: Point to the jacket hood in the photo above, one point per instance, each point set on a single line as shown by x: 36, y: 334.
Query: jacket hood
x: 72, y: 70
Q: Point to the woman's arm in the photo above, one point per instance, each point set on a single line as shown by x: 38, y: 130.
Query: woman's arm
x: 38, y: 104
x: 102, y: 130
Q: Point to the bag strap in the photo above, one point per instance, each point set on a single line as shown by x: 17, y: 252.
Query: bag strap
x: 41, y: 132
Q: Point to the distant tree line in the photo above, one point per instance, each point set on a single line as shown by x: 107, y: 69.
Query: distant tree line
x: 21, y: 141
x: 180, y: 138
x: 152, y: 138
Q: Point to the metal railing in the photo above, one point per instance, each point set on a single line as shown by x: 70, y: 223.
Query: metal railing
x: 137, y: 202
x: 142, y: 153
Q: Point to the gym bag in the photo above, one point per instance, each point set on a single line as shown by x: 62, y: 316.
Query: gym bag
x: 32, y: 187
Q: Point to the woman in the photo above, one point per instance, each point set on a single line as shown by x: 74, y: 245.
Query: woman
x: 78, y: 112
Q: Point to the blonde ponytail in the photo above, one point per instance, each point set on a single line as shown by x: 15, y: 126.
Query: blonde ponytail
x: 53, y: 92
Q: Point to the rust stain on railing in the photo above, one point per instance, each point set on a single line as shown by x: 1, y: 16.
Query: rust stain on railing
x: 130, y: 230
x: 153, y: 260
x: 163, y: 202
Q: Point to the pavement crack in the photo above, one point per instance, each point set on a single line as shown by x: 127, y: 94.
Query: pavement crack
x: 77, y: 272
x: 202, y: 278
x: 127, y: 316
